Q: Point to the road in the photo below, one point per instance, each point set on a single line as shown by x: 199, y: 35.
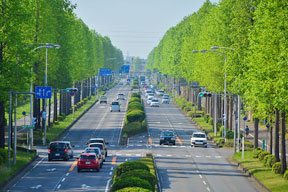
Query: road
x: 180, y: 167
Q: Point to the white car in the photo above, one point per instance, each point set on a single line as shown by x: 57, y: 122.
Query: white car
x: 115, y: 106
x: 121, y: 96
x: 198, y: 139
x: 165, y: 99
x: 147, y: 92
x: 149, y: 99
x: 160, y: 92
x: 154, y: 103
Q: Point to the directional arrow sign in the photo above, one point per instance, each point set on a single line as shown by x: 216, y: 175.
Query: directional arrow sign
x: 53, y: 169
x: 84, y: 186
x: 36, y: 187
x: 43, y: 92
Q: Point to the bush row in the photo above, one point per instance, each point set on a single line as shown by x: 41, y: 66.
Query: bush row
x: 133, y: 176
x: 135, y: 121
x: 269, y: 161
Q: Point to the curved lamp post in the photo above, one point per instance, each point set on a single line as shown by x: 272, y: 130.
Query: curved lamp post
x: 47, y: 46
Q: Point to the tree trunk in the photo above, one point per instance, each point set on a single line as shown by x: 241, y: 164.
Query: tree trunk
x: 270, y: 137
x: 276, y: 135
x: 231, y: 114
x: 283, y: 144
x: 55, y: 107
x: 49, y: 114
x: 2, y: 124
x: 256, y: 128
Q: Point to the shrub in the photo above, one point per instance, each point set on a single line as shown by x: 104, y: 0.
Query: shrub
x: 144, y: 125
x: 190, y: 113
x: 134, y: 106
x: 131, y: 182
x: 276, y: 168
x: 129, y: 166
x: 136, y: 95
x: 1, y: 160
x: 135, y: 115
x: 285, y: 176
x: 133, y: 128
x: 206, y: 117
x: 4, y: 154
x: 256, y: 152
x: 142, y: 174
x: 262, y: 155
x: 211, y: 121
x: 269, y: 160
x: 133, y: 99
x: 230, y: 134
x: 133, y: 189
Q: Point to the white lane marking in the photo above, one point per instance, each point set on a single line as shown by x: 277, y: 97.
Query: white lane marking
x: 138, y: 155
x: 159, y: 155
x: 200, y: 176
x: 58, y: 186
x: 131, y: 145
x: 188, y: 156
x: 36, y: 187
x: 182, y: 146
x: 112, y: 168
x: 107, y: 185
x: 218, y: 156
x: 208, y: 189
x: 139, y: 145
x: 67, y: 174
x: 208, y: 156
x: 169, y: 155
x: 204, y: 183
x: 197, y: 171
x: 110, y: 173
x: 51, y: 170
x: 198, y: 156
x: 126, y: 159
x: 118, y: 154
x: 63, y: 179
x: 128, y: 155
x: 112, y: 145
x: 38, y: 163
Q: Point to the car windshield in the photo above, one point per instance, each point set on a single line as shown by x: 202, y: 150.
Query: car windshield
x: 165, y: 97
x: 167, y: 134
x: 150, y: 98
x: 199, y: 135
x: 88, y: 157
x: 154, y: 100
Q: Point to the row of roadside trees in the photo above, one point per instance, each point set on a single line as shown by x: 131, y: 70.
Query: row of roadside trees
x: 24, y: 25
x: 257, y: 68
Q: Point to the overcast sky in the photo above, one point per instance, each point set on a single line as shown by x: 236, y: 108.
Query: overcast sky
x: 135, y: 26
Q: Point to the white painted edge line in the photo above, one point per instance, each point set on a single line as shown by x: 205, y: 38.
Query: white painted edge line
x: 200, y: 176
x: 107, y: 185
x: 110, y: 173
x: 58, y: 187
x: 63, y: 179
x: 208, y: 189
x: 204, y: 183
x: 38, y: 163
x: 67, y: 174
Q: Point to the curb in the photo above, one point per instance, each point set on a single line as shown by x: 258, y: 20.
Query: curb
x: 246, y: 171
x: 7, y: 181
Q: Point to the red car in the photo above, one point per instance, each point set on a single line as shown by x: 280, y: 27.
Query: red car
x: 88, y: 161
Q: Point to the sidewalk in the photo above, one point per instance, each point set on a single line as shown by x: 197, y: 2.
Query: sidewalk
x: 263, y: 134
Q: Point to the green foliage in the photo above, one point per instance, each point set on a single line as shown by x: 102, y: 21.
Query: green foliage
x: 135, y: 106
x: 256, y: 152
x: 206, y: 117
x: 285, y: 175
x: 211, y: 121
x: 276, y: 168
x: 3, y: 155
x: 136, y: 95
x: 131, y: 182
x: 269, y: 160
x: 262, y: 155
x: 133, y: 189
x: 134, y: 99
x: 129, y: 166
x: 133, y: 128
x: 140, y: 173
x: 135, y: 115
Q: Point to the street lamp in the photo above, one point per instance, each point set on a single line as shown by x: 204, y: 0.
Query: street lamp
x: 47, y: 46
x: 225, y: 99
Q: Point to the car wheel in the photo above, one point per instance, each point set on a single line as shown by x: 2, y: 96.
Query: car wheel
x: 106, y: 154
x: 71, y: 156
x: 160, y: 143
x: 101, y: 165
x: 97, y: 169
x: 174, y: 143
x: 78, y: 170
x: 67, y: 159
x: 205, y: 146
x: 49, y: 159
x: 119, y: 110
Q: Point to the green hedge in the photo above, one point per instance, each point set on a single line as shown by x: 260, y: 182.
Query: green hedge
x: 131, y: 182
x: 129, y: 166
x: 135, y: 106
x: 269, y: 160
x: 135, y: 115
x: 134, y: 128
x: 276, y: 168
x: 133, y: 189
x: 142, y: 174
x: 133, y: 99
x: 136, y: 95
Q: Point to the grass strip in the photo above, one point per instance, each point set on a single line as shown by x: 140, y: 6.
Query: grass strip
x: 22, y: 159
x: 274, y: 182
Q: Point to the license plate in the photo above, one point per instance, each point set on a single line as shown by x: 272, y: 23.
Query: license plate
x: 87, y: 163
x: 57, y: 154
x: 199, y: 143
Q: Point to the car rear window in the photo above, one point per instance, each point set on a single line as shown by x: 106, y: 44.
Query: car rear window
x: 115, y: 103
x: 88, y: 157
x: 96, y: 145
x: 167, y: 134
x: 92, y: 151
x: 57, y: 146
x: 96, y: 141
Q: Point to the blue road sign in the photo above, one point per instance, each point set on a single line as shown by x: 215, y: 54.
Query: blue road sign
x: 94, y: 86
x: 105, y: 71
x: 125, y: 69
x: 244, y: 118
x: 43, y: 92
x: 24, y: 113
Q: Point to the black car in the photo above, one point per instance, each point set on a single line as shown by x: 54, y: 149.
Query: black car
x: 167, y: 137
x: 58, y: 150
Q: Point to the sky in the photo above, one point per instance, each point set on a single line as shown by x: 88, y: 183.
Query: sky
x: 134, y: 26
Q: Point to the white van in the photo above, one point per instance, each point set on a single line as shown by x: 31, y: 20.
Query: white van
x: 115, y: 106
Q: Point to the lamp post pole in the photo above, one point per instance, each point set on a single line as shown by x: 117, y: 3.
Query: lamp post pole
x: 47, y: 45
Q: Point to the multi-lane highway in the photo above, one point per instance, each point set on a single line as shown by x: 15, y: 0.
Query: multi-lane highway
x: 180, y: 167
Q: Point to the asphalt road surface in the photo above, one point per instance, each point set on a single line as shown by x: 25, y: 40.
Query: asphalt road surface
x: 180, y: 167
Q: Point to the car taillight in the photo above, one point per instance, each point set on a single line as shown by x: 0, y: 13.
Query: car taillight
x: 78, y: 159
x: 100, y: 156
x: 65, y: 150
x: 49, y: 150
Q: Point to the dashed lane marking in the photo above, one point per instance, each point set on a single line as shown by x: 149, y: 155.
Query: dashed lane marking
x: 179, y: 141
